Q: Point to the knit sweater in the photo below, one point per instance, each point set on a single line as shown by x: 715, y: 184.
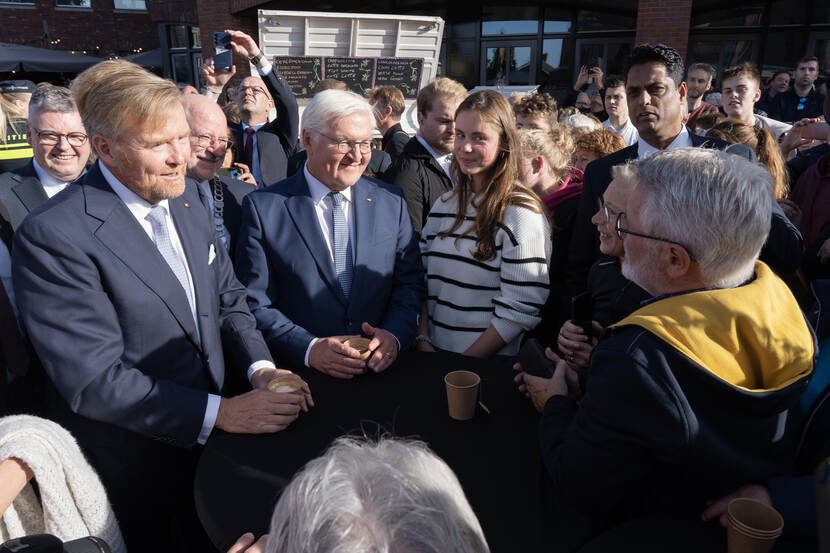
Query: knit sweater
x: 465, y: 295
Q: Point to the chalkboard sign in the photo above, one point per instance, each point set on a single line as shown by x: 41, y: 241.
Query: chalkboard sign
x: 302, y: 73
x: 404, y: 73
x: 357, y: 73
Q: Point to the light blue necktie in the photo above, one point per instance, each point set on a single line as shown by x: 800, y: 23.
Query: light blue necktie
x: 342, y: 244
x: 161, y: 236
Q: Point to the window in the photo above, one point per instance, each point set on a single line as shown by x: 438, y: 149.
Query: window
x: 712, y: 14
x: 786, y: 12
x: 136, y: 5
x: 605, y: 21
x: 557, y: 21
x: 779, y: 50
x: 177, y: 36
x: 74, y: 3
x: 18, y: 2
x: 513, y: 20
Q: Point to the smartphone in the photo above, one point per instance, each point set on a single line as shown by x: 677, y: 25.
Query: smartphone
x: 582, y: 309
x: 533, y: 360
x: 222, y: 54
x: 227, y: 172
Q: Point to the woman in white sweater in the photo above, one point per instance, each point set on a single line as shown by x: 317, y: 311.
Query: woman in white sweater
x: 486, y: 244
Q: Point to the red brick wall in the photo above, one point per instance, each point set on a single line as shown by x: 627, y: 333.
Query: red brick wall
x: 215, y: 15
x: 664, y: 21
x: 99, y: 31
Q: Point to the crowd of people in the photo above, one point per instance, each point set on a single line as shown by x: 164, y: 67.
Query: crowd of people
x: 163, y: 252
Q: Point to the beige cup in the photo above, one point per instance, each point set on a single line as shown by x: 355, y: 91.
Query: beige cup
x: 361, y: 345
x: 462, y: 394
x: 753, y: 526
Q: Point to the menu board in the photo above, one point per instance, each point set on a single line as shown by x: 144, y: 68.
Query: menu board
x: 360, y: 74
x: 357, y: 73
x: 405, y: 73
x: 301, y: 73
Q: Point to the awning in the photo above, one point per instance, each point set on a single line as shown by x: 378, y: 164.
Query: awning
x: 16, y: 57
x: 150, y: 58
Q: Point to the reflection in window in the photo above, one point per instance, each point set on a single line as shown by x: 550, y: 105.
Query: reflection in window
x: 74, y: 3
x: 508, y: 65
x: 493, y: 28
x: 131, y: 5
x: 557, y: 21
x: 778, y: 53
x: 721, y: 53
x: 181, y: 68
x: 21, y: 2
x: 459, y: 54
x: 509, y: 20
x: 555, y: 68
x: 195, y: 37
x: 177, y: 36
x: 786, y: 12
x: 736, y: 15
x: 603, y: 21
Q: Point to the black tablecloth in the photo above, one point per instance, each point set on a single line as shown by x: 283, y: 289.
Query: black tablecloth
x: 496, y: 456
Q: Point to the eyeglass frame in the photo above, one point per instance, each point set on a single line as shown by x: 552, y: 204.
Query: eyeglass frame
x: 339, y: 142
x: 255, y: 90
x: 39, y: 134
x: 620, y: 231
x: 213, y: 140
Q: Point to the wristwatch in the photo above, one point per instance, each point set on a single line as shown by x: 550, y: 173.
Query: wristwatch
x: 420, y: 338
x: 255, y: 60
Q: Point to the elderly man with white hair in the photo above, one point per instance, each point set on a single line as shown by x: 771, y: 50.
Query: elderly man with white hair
x: 328, y: 253
x: 362, y: 496
x: 697, y: 392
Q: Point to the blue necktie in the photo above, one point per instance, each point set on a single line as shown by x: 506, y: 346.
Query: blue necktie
x: 161, y: 236
x: 342, y: 244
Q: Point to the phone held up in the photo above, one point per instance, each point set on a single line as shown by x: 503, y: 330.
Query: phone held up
x: 222, y: 54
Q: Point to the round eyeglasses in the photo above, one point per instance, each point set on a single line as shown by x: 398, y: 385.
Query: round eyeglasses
x: 620, y: 231
x: 50, y: 138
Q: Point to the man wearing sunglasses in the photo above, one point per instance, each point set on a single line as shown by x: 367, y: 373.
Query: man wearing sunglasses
x: 328, y: 254
x: 696, y: 393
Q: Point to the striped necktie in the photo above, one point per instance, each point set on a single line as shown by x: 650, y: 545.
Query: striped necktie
x: 343, y: 263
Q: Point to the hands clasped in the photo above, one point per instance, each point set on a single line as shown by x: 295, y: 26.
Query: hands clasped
x: 332, y: 356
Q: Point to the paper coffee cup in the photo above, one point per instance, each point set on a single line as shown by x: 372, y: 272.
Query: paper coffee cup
x: 361, y: 345
x: 286, y: 384
x: 462, y: 394
x: 753, y: 526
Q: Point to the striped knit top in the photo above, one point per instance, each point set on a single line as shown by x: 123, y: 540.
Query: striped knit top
x: 466, y: 295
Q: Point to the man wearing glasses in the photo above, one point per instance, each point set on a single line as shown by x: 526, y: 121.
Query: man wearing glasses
x: 696, y: 393
x: 265, y: 146
x: 61, y: 151
x: 328, y: 254
x: 209, y: 141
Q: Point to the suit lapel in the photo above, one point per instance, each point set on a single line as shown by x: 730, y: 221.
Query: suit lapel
x: 301, y: 210
x: 365, y: 218
x: 125, y: 238
x: 30, y: 193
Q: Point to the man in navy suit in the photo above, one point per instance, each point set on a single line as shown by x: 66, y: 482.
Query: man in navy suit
x: 128, y: 298
x: 327, y: 253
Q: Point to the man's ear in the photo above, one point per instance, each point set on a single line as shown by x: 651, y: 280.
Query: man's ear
x: 103, y: 146
x: 678, y: 262
x: 305, y: 139
x: 29, y: 134
x: 682, y: 91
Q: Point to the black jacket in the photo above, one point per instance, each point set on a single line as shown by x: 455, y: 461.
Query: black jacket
x: 782, y: 252
x: 394, y: 141
x: 784, y: 107
x: 20, y: 193
x: 422, y: 180
x: 232, y: 193
x: 277, y: 139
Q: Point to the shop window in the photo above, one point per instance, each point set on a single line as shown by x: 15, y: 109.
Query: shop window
x: 512, y: 20
x: 135, y: 5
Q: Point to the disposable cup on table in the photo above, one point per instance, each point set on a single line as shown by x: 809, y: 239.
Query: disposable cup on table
x: 753, y: 526
x: 462, y: 394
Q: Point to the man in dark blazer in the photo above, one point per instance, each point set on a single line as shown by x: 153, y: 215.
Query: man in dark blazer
x: 128, y: 298
x: 655, y: 94
x: 388, y: 105
x: 328, y: 253
x: 268, y: 145
x: 209, y: 142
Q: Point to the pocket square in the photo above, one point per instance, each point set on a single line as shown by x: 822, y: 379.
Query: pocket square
x: 211, y: 254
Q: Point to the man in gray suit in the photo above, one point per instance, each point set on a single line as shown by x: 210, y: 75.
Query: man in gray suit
x: 128, y: 298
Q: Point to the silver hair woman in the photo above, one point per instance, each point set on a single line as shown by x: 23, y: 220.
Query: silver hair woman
x: 330, y: 105
x: 718, y: 205
x: 389, y: 496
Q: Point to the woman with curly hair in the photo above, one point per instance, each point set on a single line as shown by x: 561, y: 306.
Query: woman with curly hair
x: 486, y: 244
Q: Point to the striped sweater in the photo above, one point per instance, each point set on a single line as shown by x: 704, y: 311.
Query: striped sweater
x: 465, y: 295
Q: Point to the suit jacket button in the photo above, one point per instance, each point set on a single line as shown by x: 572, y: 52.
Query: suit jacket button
x: 348, y: 323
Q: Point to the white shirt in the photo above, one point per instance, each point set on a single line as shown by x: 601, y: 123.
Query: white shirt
x: 682, y: 140
x: 444, y: 161
x: 628, y: 132
x: 139, y: 207
x: 50, y: 184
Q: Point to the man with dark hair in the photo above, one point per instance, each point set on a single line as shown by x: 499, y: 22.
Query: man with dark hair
x: 698, y: 81
x: 801, y: 100
x: 778, y: 84
x: 388, y: 104
x: 655, y: 93
x: 616, y: 105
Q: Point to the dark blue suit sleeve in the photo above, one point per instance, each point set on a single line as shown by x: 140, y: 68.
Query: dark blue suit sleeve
x: 401, y: 318
x: 584, y: 241
x: 288, y: 112
x: 76, y: 332
x: 254, y: 271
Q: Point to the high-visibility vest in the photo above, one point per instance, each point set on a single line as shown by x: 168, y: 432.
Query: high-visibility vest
x: 16, y: 146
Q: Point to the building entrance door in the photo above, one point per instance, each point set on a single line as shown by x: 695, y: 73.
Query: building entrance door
x: 508, y: 62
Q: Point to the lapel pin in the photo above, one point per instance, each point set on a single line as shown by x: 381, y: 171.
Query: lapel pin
x: 368, y: 199
x: 186, y: 204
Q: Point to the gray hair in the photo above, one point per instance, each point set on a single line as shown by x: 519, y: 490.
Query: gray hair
x: 388, y: 496
x: 330, y: 105
x: 49, y: 97
x: 719, y: 205
x: 581, y: 121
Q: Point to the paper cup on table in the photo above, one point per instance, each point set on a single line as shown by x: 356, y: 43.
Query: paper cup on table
x: 753, y: 526
x: 462, y: 394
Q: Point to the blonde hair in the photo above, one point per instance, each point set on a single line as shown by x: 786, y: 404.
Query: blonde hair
x: 439, y: 89
x: 388, y: 96
x: 9, y: 111
x: 116, y: 94
x: 540, y: 143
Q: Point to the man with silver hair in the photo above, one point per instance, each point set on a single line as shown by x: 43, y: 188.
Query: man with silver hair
x: 328, y: 253
x: 360, y: 496
x: 696, y: 392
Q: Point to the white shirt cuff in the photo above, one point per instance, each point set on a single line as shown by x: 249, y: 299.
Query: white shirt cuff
x: 211, y: 411
x: 264, y: 70
x: 256, y: 365
x: 308, y: 352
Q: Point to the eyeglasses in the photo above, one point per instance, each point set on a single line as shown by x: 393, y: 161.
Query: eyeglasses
x: 50, y: 138
x: 206, y: 140
x: 252, y: 89
x: 621, y: 231
x: 346, y: 146
x: 609, y: 213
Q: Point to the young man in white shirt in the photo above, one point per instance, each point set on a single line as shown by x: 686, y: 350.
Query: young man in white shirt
x: 616, y: 105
